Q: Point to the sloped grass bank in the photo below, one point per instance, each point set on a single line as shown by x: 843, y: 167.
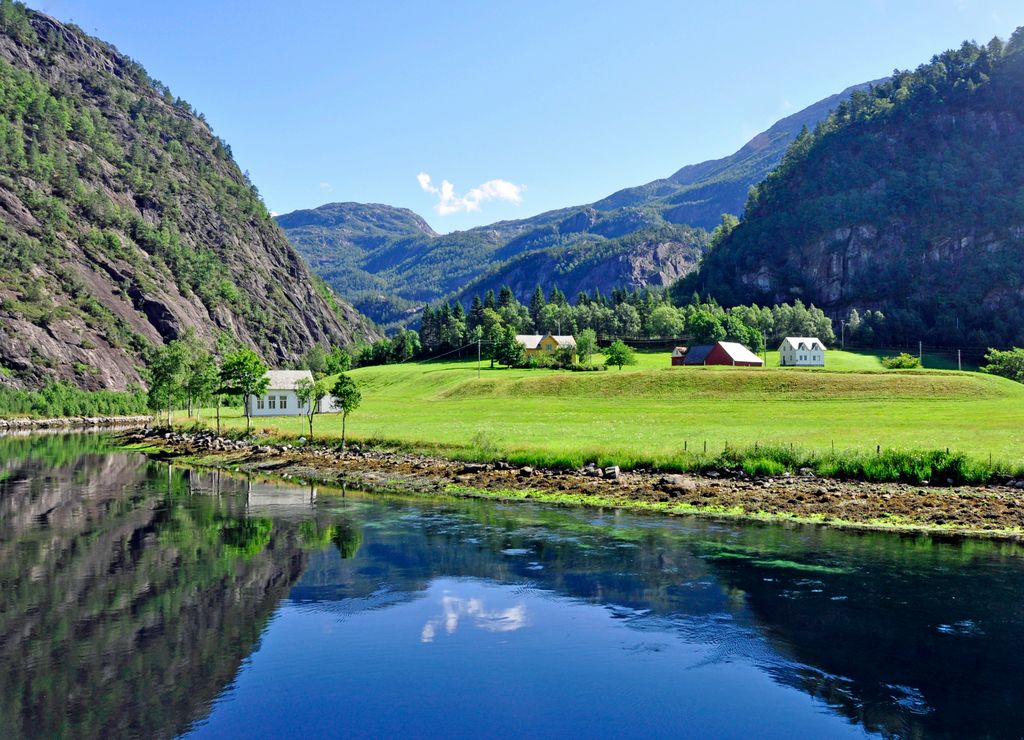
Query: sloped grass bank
x: 908, y: 426
x: 738, y: 384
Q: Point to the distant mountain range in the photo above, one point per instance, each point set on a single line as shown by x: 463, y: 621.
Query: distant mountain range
x: 125, y: 222
x: 389, y: 262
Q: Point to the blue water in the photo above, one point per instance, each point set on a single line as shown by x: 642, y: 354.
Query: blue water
x: 468, y: 657
x: 140, y: 600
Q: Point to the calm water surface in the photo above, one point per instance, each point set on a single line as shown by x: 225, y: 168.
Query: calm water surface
x: 141, y: 600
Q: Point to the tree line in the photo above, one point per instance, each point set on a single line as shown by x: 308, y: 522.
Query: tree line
x: 646, y: 313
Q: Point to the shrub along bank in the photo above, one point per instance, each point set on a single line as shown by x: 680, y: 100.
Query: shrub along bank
x: 63, y: 399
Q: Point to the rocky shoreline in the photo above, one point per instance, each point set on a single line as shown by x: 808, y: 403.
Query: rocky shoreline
x: 74, y: 422
x: 991, y: 511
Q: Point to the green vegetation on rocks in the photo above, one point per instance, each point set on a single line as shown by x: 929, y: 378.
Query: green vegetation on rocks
x: 63, y: 399
x: 907, y: 202
x: 125, y: 222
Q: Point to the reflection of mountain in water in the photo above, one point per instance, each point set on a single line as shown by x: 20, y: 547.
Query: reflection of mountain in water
x: 124, y: 610
x: 131, y: 593
x: 905, y: 636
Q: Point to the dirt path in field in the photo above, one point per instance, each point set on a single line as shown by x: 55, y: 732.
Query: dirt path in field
x: 987, y: 510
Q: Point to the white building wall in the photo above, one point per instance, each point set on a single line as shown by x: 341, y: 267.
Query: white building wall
x: 802, y: 358
x: 329, y: 405
x: 270, y: 404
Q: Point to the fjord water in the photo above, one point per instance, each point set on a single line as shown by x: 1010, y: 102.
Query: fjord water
x: 144, y: 600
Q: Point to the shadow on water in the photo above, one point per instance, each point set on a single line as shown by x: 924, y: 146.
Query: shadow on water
x: 133, y: 592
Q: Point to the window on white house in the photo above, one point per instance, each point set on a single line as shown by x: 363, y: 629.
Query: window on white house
x: 259, y: 403
x: 284, y: 402
x: 272, y: 402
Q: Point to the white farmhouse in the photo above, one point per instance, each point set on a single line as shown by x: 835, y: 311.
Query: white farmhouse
x: 802, y: 352
x: 280, y: 398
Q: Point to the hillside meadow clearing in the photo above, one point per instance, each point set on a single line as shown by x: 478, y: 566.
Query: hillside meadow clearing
x: 653, y: 414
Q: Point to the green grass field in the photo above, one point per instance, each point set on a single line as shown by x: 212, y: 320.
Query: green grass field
x: 651, y: 412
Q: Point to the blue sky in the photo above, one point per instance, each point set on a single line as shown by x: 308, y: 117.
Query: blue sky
x: 522, y: 107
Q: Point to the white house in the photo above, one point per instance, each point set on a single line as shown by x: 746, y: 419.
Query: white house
x: 280, y: 398
x: 802, y: 352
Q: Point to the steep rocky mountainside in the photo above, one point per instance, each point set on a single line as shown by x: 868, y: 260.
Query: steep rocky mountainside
x: 909, y: 200
x: 124, y: 221
x: 388, y: 262
x: 651, y: 257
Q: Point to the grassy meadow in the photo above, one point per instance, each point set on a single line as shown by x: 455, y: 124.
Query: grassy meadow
x: 652, y: 413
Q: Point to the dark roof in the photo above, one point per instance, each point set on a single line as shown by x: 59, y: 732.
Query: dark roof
x: 734, y: 350
x: 697, y: 355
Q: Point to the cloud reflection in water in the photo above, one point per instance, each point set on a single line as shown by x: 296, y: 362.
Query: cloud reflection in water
x: 456, y: 609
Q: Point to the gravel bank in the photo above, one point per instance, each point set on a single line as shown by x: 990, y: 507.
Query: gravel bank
x: 996, y: 510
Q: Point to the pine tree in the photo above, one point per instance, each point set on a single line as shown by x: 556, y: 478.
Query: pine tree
x: 537, y: 304
x: 476, y: 313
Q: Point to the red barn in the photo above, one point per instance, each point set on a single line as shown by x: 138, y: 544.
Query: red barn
x: 719, y: 353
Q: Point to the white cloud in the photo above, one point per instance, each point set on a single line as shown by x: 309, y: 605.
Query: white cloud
x: 449, y: 202
x: 326, y: 186
x: 273, y: 214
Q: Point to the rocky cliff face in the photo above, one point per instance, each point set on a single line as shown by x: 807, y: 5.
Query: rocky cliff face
x: 124, y: 221
x: 909, y: 201
x: 657, y: 257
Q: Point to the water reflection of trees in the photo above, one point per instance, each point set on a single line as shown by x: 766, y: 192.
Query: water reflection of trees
x: 127, y: 603
x: 916, y: 638
x: 903, y: 635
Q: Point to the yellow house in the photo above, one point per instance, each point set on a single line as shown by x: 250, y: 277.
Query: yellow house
x: 545, y: 344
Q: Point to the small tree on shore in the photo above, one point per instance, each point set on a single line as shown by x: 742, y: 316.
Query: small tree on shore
x: 167, y: 371
x: 347, y: 397
x: 619, y: 353
x: 310, y: 393
x: 245, y: 373
x: 201, y: 378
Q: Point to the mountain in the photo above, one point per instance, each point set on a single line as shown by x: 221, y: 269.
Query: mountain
x: 389, y: 262
x: 908, y: 200
x: 699, y: 194
x: 653, y: 256
x: 124, y: 222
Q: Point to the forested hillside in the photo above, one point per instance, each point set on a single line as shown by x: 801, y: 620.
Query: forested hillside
x: 906, y: 206
x: 388, y: 262
x: 124, y: 221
